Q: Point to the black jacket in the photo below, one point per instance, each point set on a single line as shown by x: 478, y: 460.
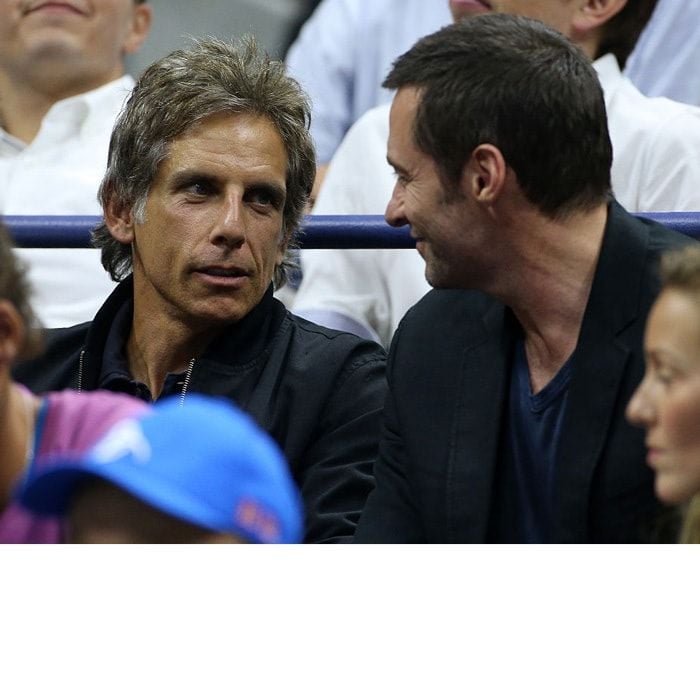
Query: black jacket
x: 318, y: 392
x: 449, y: 371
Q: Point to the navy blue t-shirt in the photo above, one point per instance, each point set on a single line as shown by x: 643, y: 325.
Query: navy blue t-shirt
x: 524, y: 496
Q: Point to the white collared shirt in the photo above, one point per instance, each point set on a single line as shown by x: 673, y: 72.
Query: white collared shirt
x: 59, y: 173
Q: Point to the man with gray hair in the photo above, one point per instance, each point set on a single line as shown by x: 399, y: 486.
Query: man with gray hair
x: 210, y: 167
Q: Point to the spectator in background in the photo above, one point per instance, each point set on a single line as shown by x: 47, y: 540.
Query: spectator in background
x: 667, y: 402
x: 666, y: 60
x: 201, y: 202
x: 656, y: 167
x: 199, y: 473
x: 62, y: 85
x: 504, y: 420
x: 32, y: 426
x: 343, y: 53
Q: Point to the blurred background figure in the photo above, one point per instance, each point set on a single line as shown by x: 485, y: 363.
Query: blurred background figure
x: 667, y: 402
x: 344, y: 51
x: 666, y: 60
x: 62, y: 84
x: 33, y: 426
x: 200, y: 473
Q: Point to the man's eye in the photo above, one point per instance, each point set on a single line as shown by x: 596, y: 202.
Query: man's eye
x: 263, y: 198
x: 199, y: 188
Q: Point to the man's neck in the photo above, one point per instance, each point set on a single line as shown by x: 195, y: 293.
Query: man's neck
x: 550, y: 291
x: 160, y: 346
x: 25, y: 102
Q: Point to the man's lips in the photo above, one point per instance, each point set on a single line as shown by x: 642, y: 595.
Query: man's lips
x: 227, y: 275
x: 54, y: 6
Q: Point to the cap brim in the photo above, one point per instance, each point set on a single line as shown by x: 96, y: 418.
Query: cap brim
x: 51, y: 492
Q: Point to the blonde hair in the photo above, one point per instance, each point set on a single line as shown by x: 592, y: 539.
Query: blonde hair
x: 690, y: 530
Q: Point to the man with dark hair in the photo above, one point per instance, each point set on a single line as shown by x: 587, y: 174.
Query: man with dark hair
x: 504, y: 420
x: 656, y: 167
x: 209, y: 170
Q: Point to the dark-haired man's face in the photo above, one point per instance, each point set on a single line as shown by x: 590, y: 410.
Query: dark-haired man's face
x: 449, y: 236
x: 555, y: 13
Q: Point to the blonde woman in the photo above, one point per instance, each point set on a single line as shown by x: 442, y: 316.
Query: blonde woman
x: 667, y: 402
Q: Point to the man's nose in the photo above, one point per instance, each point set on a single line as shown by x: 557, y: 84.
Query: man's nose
x: 229, y: 227
x: 395, y: 214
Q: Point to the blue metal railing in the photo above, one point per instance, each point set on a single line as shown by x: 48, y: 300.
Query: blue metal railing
x: 317, y: 231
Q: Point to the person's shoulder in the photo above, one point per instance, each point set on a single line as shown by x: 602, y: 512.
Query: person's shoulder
x: 648, y: 114
x: 100, y: 406
x: 658, y: 236
x: 445, y: 314
x: 61, y: 348
x: 323, y: 340
x: 60, y: 340
x: 374, y: 120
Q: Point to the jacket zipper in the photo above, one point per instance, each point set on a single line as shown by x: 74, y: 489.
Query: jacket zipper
x: 80, y: 371
x: 183, y: 391
x: 186, y: 383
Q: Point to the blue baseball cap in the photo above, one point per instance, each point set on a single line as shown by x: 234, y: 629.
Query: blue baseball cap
x: 204, y: 462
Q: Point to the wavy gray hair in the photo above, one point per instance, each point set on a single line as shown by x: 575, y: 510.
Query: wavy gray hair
x: 177, y: 92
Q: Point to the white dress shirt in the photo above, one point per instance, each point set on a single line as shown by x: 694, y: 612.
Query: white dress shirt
x: 59, y: 174
x: 666, y: 59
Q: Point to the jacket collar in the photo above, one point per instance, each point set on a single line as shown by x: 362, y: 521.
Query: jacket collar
x: 600, y: 360
x: 237, y: 344
x: 598, y: 369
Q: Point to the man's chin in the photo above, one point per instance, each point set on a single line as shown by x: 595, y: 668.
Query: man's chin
x: 461, y: 9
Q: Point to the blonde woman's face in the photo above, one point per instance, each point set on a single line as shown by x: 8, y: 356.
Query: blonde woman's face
x: 667, y: 402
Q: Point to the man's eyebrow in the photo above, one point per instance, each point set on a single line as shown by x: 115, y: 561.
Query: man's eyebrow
x: 276, y: 191
x: 190, y: 175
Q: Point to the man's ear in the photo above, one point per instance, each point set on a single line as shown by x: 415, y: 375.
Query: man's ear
x: 484, y: 175
x: 119, y: 220
x: 140, y: 27
x: 11, y: 333
x: 590, y: 15
x: 285, y: 239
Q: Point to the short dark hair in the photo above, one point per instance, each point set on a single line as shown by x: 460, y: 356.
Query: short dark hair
x: 14, y: 287
x: 620, y: 34
x: 521, y: 86
x: 177, y: 92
